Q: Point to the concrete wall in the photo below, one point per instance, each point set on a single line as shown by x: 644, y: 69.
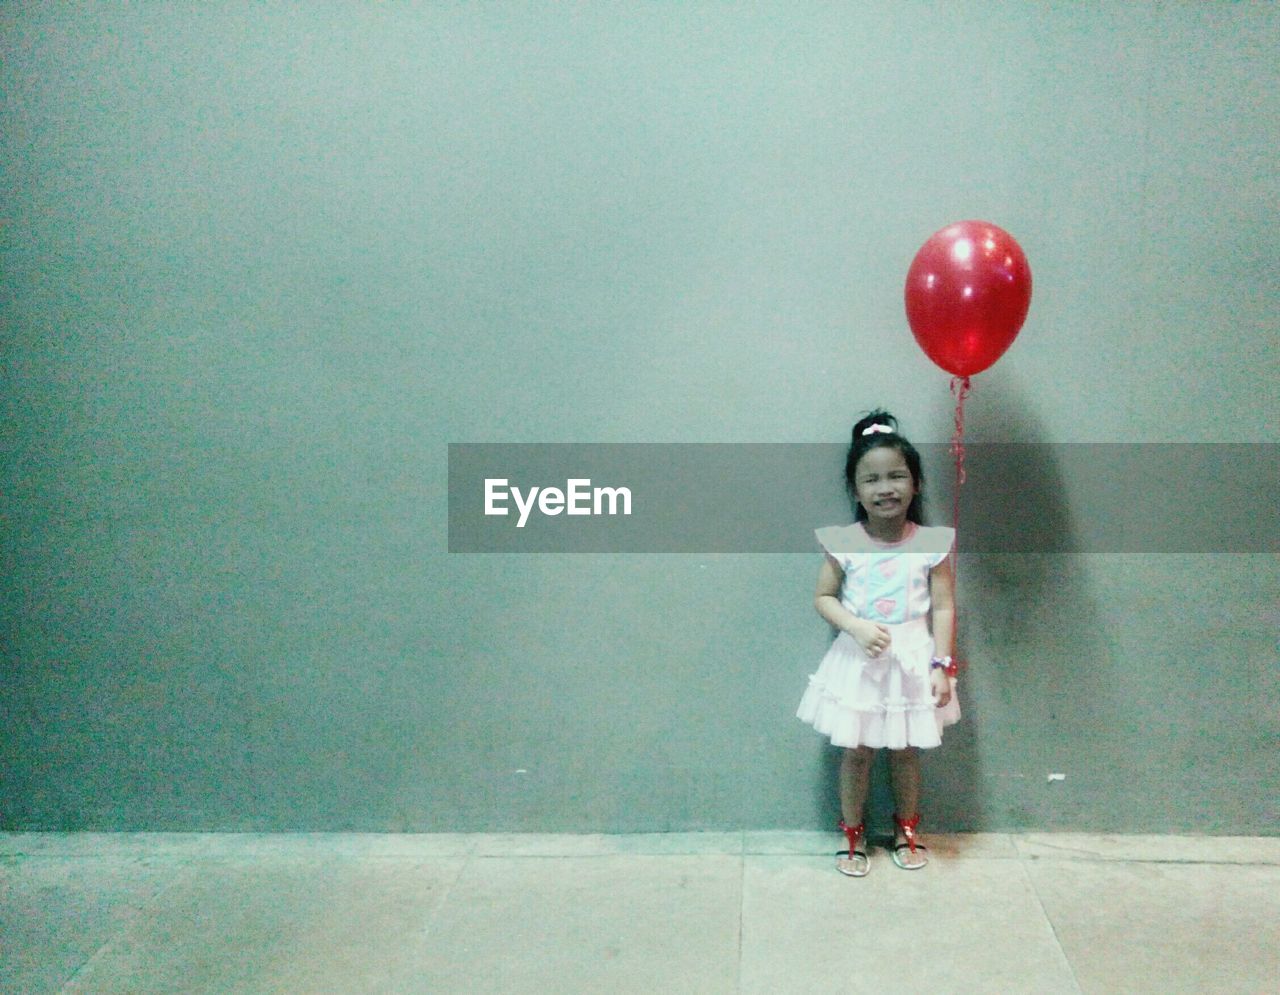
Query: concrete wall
x: 262, y: 263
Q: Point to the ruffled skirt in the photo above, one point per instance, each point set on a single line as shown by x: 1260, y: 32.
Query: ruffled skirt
x: 882, y: 701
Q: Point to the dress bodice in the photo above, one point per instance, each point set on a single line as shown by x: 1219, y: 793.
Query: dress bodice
x: 886, y: 582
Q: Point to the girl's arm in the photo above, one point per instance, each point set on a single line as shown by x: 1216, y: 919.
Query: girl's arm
x: 942, y: 612
x: 826, y: 600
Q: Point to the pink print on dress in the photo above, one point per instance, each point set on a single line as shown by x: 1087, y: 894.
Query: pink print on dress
x: 888, y: 568
x: 885, y: 606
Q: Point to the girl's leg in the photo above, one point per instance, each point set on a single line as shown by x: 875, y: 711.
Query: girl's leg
x: 855, y: 776
x: 904, y: 771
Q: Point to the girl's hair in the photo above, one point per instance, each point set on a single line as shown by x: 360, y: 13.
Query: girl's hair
x: 862, y: 444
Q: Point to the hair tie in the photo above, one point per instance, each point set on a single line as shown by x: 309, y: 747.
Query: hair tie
x: 877, y: 428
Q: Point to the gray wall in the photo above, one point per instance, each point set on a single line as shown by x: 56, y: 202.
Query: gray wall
x: 262, y: 263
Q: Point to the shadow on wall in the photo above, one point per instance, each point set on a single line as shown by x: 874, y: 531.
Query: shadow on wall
x: 1036, y: 697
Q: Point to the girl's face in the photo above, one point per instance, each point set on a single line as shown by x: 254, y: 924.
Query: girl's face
x: 884, y: 485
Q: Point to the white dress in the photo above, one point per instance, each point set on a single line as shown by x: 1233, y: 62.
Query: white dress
x: 887, y: 700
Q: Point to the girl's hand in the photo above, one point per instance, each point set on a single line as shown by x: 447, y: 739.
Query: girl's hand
x: 941, y: 686
x: 871, y: 636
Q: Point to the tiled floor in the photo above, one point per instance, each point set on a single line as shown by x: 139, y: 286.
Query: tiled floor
x: 706, y: 912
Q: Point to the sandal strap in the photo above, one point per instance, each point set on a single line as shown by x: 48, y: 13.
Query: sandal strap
x: 854, y: 834
x: 908, y: 827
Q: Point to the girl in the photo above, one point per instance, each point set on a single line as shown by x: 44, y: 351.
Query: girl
x: 887, y: 681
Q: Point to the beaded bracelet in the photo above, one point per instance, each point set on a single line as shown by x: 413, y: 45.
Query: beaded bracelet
x: 945, y: 664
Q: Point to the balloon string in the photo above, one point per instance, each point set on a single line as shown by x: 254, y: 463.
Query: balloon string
x: 960, y: 389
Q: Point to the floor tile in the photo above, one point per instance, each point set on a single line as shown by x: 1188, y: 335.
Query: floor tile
x: 99, y: 845
x: 55, y: 914
x: 1189, y: 849
x: 1164, y: 927
x: 714, y: 912
x: 276, y: 925
x: 18, y: 844
x: 602, y: 845
x: 807, y: 928
x: 356, y: 845
x: 972, y: 846
x: 587, y: 924
x: 202, y: 845
x: 798, y: 843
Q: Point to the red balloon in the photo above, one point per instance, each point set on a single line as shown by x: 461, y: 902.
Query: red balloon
x: 967, y: 294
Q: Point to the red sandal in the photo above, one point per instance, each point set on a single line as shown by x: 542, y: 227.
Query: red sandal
x: 908, y: 829
x: 855, y: 858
